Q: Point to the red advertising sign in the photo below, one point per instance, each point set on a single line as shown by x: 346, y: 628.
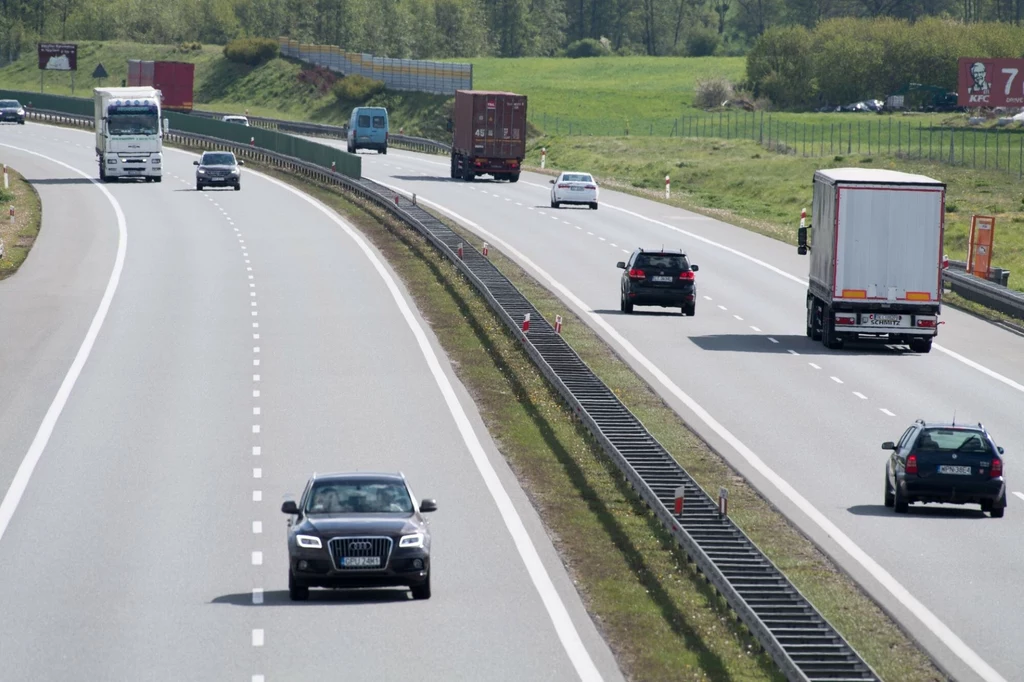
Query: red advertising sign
x: 58, y: 56
x: 990, y: 82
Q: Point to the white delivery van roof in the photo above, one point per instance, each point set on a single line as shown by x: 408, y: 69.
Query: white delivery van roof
x: 875, y: 176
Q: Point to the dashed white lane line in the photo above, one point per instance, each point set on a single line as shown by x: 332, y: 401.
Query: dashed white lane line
x: 257, y: 527
x: 554, y: 217
x: 836, y: 379
x: 255, y: 410
x: 773, y: 339
x: 707, y: 298
x: 255, y: 363
x: 1020, y: 495
x: 602, y: 239
x: 257, y: 558
x: 722, y: 306
x: 860, y: 395
x: 738, y: 317
x: 813, y: 365
x: 256, y: 393
x: 793, y: 352
x: 885, y: 411
x: 258, y: 678
x: 255, y: 428
x: 257, y: 598
x: 255, y: 377
x: 754, y: 328
x: 625, y: 251
x: 257, y: 450
x: 257, y: 637
x: 613, y: 244
x: 591, y: 234
x: 257, y: 495
x: 257, y: 473
x: 580, y: 228
x: 255, y: 349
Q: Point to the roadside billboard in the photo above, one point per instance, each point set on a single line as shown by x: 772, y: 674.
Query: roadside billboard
x: 58, y: 56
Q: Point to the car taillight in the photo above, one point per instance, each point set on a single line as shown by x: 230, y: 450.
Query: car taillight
x: 687, y: 275
x: 591, y: 187
x: 911, y: 464
x: 846, y: 319
x: 386, y: 137
x: 926, y: 323
x: 636, y: 274
x: 563, y: 186
x: 997, y: 468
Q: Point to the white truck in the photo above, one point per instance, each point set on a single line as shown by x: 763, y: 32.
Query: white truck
x: 876, y: 257
x: 129, y: 134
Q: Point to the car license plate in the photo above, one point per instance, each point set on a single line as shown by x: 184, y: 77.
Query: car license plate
x: 217, y: 179
x: 661, y: 278
x: 576, y: 189
x: 882, y: 320
x: 361, y: 561
x: 950, y: 469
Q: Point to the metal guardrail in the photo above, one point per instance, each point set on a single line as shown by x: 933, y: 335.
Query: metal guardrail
x: 986, y: 293
x: 797, y: 637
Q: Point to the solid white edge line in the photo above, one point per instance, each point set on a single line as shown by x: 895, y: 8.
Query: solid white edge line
x: 1020, y: 495
x: 12, y: 498
x: 560, y: 618
x: 919, y: 610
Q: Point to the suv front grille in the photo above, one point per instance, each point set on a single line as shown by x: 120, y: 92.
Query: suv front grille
x: 342, y: 548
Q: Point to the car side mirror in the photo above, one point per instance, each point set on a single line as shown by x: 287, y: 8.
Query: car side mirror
x: 241, y: 162
x: 428, y: 505
x: 551, y: 182
x: 195, y: 163
x: 1000, y: 449
x: 888, y: 445
x: 695, y: 268
x: 289, y: 507
x: 620, y: 265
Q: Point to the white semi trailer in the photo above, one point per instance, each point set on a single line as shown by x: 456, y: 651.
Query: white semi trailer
x: 876, y: 257
x: 129, y: 133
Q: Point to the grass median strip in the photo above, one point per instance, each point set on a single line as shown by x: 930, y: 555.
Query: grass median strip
x: 657, y: 613
x: 18, y: 236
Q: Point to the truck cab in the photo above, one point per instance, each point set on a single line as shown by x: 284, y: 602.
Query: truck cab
x: 368, y: 129
x: 129, y: 133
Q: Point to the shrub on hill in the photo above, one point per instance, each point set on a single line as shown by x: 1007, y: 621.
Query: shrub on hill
x: 588, y: 47
x: 702, y: 42
x: 712, y: 92
x: 356, y: 88
x: 251, y: 51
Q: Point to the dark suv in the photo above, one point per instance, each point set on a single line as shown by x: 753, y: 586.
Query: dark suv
x: 948, y: 463
x: 218, y: 169
x: 358, y: 530
x: 662, y: 278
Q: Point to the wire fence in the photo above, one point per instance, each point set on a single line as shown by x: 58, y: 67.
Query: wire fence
x: 988, y: 148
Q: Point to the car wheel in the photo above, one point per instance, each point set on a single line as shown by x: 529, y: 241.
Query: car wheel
x: 384, y: 151
x: 593, y: 205
x: 238, y: 187
x: 422, y: 591
x: 296, y: 590
x: 690, y: 310
x: 199, y: 188
x: 900, y: 504
x: 995, y: 509
x: 890, y: 497
x: 627, y: 305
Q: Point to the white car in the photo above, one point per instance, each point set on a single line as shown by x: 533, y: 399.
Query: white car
x: 574, y: 188
x: 241, y: 120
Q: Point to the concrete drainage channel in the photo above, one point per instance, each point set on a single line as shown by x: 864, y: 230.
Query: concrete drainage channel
x: 798, y: 638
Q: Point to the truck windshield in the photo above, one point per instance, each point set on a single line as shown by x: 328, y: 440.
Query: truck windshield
x: 135, y: 123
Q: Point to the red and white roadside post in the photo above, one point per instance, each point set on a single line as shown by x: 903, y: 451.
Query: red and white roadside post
x: 334, y: 168
x: 252, y: 141
x: 668, y: 188
x: 558, y: 324
x: 485, y: 250
x: 803, y: 218
x: 460, y: 250
x: 12, y: 213
x: 543, y: 157
x: 680, y: 492
x: 945, y: 257
x: 526, y: 323
x: 7, y: 180
x: 723, y: 502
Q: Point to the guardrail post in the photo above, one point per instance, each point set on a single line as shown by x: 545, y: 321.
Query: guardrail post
x: 723, y: 502
x: 485, y: 249
x: 7, y: 181
x: 12, y: 213
x: 543, y: 157
x: 680, y: 492
x: 668, y: 191
x: 526, y: 323
x: 414, y: 199
x: 558, y: 324
x: 460, y: 250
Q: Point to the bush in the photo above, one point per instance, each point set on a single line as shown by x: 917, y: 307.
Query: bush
x: 251, y: 51
x: 6, y: 196
x: 356, y: 88
x: 702, y: 42
x: 712, y: 92
x: 780, y: 67
x: 192, y: 46
x: 588, y: 47
x: 321, y: 78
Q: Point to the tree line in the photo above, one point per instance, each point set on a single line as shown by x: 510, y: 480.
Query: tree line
x: 441, y: 29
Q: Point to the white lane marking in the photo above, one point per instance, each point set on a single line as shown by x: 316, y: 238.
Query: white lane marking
x: 12, y: 498
x: 257, y: 473
x: 754, y: 328
x: 255, y: 428
x: 887, y: 412
x: 1020, y: 495
x: 613, y: 244
x: 256, y: 393
x: 257, y: 598
x: 257, y: 495
x: 793, y: 352
x: 542, y: 212
x: 256, y: 363
x: 255, y: 349
x: 813, y: 365
x: 257, y: 558
x: 518, y: 203
x: 911, y: 603
x: 255, y: 410
x: 554, y: 217
x: 255, y: 377
x: 707, y: 298
x: 257, y: 637
x: 722, y: 306
x: 557, y: 612
x: 580, y: 228
x: 860, y: 395
x: 257, y: 450
x: 591, y: 234
x: 836, y: 379
x: 257, y: 527
x: 258, y: 678
x: 566, y: 222
x: 601, y: 238
x: 773, y: 339
x: 625, y: 251
x: 738, y: 317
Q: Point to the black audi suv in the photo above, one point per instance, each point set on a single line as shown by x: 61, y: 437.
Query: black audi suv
x: 218, y: 169
x: 952, y: 463
x: 660, y: 278
x: 358, y: 530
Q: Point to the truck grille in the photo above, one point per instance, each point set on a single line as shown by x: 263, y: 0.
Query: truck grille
x: 342, y: 548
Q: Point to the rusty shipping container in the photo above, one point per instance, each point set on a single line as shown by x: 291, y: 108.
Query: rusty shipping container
x: 174, y: 80
x: 489, y: 134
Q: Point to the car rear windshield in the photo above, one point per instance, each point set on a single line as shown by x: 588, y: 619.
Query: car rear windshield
x: 665, y: 261
x: 953, y: 440
x: 219, y: 159
x: 378, y: 121
x: 359, y: 497
x: 577, y: 177
x: 9, y: 104
x: 364, y: 121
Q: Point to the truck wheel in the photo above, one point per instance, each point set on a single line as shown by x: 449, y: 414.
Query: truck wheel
x: 814, y: 313
x: 384, y: 151
x: 828, y: 331
x: 158, y: 178
x: 920, y: 345
x: 454, y: 167
x: 514, y: 177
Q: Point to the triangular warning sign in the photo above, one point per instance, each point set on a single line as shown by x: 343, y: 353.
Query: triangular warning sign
x: 100, y: 72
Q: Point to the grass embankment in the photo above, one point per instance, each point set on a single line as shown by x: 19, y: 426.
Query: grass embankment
x: 19, y: 236
x: 661, y: 618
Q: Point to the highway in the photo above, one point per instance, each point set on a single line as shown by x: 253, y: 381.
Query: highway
x: 803, y: 423
x: 174, y: 364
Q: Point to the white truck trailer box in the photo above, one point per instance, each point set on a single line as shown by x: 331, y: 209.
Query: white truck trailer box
x: 876, y: 257
x: 129, y: 135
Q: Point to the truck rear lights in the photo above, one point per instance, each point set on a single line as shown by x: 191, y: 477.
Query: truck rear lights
x: 997, y: 468
x: 926, y: 323
x: 911, y: 467
x: 846, y: 319
x: 686, y: 275
x: 636, y: 274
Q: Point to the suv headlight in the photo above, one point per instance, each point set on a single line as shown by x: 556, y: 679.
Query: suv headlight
x: 201, y: 171
x: 235, y: 171
x: 309, y: 541
x: 414, y: 540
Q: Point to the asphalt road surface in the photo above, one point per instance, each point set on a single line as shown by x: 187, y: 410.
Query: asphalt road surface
x: 240, y: 342
x: 803, y: 423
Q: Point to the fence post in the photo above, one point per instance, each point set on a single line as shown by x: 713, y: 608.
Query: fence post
x: 849, y: 138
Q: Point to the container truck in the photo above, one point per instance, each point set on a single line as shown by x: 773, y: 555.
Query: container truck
x: 488, y: 134
x: 129, y: 135
x: 174, y: 80
x: 875, y: 257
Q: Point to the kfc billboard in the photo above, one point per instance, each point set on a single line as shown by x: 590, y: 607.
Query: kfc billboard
x: 990, y: 82
x: 58, y: 56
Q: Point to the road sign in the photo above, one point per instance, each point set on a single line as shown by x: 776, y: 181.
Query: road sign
x: 979, y: 248
x: 986, y: 82
x: 100, y: 72
x: 57, y: 56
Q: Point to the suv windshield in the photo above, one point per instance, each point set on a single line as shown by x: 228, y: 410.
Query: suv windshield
x: 664, y: 261
x: 218, y: 159
x: 953, y: 440
x: 359, y: 497
x: 9, y: 104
